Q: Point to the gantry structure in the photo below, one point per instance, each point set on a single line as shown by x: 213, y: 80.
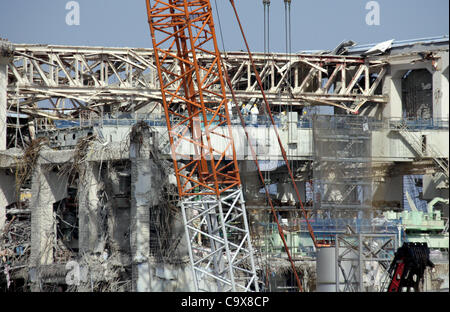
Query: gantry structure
x: 74, y: 79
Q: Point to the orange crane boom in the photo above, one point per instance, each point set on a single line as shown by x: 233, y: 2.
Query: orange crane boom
x: 180, y: 31
x: 198, y: 121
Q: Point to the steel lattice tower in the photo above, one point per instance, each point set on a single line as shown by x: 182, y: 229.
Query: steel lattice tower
x: 209, y: 184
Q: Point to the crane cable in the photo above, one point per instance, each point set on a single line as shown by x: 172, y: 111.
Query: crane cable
x: 220, y: 28
x: 237, y: 104
x: 258, y: 78
x: 287, y: 24
x: 266, y: 4
x: 287, y: 31
x: 255, y: 159
x: 283, y: 151
x: 287, y: 20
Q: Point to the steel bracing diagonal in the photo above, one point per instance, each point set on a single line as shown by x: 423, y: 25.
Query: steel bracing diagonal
x: 80, y: 78
x: 195, y: 105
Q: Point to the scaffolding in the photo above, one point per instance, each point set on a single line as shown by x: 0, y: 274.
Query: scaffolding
x: 363, y: 260
x: 342, y: 169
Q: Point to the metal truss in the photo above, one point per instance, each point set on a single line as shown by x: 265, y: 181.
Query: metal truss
x: 87, y: 78
x: 196, y: 110
x: 347, y: 82
x: 80, y: 79
x: 219, y: 247
x: 354, y: 251
x: 204, y: 111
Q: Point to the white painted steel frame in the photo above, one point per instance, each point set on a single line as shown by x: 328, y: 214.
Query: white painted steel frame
x: 361, y: 244
x: 227, y: 259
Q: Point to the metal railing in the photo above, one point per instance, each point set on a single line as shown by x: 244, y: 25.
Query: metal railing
x: 305, y: 121
x: 421, y: 148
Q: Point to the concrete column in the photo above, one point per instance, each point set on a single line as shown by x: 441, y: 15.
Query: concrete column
x: 440, y: 88
x: 392, y: 86
x: 89, y: 210
x: 6, y: 52
x: 7, y: 194
x: 3, y: 106
x: 47, y: 188
x: 293, y: 131
x: 146, y: 185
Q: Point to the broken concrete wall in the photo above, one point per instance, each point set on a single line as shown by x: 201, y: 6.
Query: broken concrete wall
x: 7, y: 193
x: 115, y: 210
x: 165, y: 277
x: 389, y: 193
x: 146, y: 186
x: 89, y: 186
x: 286, y: 193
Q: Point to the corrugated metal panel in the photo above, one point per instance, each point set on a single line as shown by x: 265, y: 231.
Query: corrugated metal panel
x: 400, y: 43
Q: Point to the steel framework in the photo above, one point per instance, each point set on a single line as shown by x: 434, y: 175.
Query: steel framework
x: 208, y: 183
x: 88, y: 78
x: 353, y: 253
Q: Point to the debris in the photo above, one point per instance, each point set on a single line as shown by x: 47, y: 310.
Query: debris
x: 380, y: 48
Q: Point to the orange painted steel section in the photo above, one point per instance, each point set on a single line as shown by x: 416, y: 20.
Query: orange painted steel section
x: 181, y: 30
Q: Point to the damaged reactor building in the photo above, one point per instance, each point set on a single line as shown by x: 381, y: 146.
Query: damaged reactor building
x: 114, y: 179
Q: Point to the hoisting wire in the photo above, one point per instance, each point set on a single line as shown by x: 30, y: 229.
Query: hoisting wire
x: 255, y: 158
x: 233, y: 94
x: 220, y: 29
x: 287, y: 21
x: 283, y: 151
x: 266, y: 4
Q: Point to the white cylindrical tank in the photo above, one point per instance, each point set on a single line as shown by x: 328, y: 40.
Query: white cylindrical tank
x: 326, y: 268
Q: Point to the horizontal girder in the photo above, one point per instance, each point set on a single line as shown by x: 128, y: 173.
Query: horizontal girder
x: 90, y: 77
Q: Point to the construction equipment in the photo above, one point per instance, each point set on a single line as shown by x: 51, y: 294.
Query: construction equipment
x: 209, y: 184
x: 408, y: 267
